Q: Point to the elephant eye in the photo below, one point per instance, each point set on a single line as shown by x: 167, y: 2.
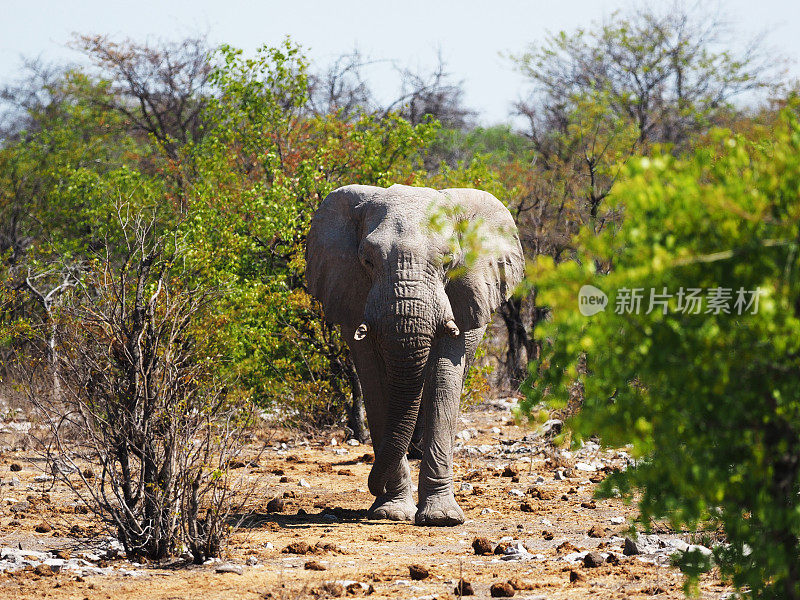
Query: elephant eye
x: 368, y: 263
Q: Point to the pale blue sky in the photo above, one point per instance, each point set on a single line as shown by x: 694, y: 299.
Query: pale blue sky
x: 470, y: 33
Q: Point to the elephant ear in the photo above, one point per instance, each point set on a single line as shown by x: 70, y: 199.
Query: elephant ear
x: 334, y: 273
x: 477, y: 287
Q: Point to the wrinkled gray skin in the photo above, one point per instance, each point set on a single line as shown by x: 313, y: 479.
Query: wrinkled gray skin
x: 387, y: 278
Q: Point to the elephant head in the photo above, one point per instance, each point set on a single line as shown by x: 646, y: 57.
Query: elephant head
x: 380, y: 270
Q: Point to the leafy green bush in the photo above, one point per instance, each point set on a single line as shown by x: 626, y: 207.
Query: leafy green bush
x: 709, y: 399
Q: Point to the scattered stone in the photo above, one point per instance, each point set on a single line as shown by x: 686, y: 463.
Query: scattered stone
x: 63, y: 553
x: 593, y: 559
x: 526, y: 507
x: 510, y: 471
x: 541, y: 493
x: 297, y: 548
x: 463, y: 588
x: 653, y: 590
x: 482, y: 546
x: 595, y: 532
x: 520, y: 584
x: 559, y: 475
x: 548, y: 535
x: 585, y: 467
x: 552, y: 428
x: 44, y: 570
x: 630, y: 548
x: 353, y: 442
x: 466, y: 487
x: 501, y: 547
x: 516, y: 493
x: 501, y: 590
x: 575, y: 577
x: 591, y: 504
x: 701, y: 549
x: 20, y: 507
x: 617, y: 520
x: 326, y: 547
x: 276, y: 505
x: 517, y: 551
x: 356, y: 589
x: 303, y: 483
x: 366, y: 458
x: 229, y: 568
x: 16, y: 467
x: 612, y: 559
x: 283, y: 479
x: 334, y: 588
x: 43, y: 528
x: 566, y: 548
x: 313, y: 565
x: 251, y: 561
x: 88, y: 473
x: 418, y: 572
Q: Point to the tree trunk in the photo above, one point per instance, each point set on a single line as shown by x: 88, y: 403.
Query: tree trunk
x: 522, y: 347
x: 356, y: 421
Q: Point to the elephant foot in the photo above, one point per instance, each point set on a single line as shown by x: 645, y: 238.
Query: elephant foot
x: 394, y: 507
x: 439, y: 511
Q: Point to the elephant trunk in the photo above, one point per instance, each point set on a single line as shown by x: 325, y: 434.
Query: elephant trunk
x: 404, y: 328
x: 405, y: 376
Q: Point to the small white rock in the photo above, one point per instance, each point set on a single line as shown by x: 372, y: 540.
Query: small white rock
x: 466, y: 487
x: 618, y: 520
x: 334, y: 442
x: 269, y: 546
x: 353, y: 442
x: 517, y: 493
x: 303, y: 483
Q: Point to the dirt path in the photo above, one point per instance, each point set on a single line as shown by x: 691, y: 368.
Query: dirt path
x: 511, y: 492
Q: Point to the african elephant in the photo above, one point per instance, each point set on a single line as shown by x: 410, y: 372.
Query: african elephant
x: 413, y: 311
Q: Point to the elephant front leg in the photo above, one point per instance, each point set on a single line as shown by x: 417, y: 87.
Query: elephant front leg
x: 397, y: 502
x: 437, y: 504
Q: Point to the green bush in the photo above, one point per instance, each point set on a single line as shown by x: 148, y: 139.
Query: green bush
x: 710, y: 400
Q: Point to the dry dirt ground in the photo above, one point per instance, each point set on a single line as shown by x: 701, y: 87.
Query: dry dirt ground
x: 518, y: 498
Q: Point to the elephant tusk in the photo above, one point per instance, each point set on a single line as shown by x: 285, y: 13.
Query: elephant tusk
x: 361, y: 332
x: 451, y: 328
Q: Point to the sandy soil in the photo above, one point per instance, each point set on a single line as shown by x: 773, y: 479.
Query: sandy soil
x: 330, y: 517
